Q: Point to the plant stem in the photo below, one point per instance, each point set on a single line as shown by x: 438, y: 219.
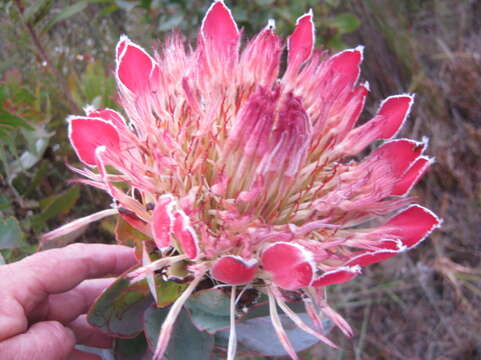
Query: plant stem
x: 46, y: 60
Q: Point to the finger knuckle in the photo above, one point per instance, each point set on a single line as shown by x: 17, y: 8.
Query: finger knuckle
x: 61, y: 337
x: 76, y: 248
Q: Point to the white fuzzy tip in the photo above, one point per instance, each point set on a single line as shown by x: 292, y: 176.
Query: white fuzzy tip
x: 124, y: 37
x: 271, y: 24
x: 88, y: 109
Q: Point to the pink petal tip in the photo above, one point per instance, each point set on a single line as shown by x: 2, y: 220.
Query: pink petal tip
x: 290, y: 265
x: 234, y: 270
x: 86, y: 134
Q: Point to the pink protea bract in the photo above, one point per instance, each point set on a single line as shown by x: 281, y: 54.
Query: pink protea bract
x: 255, y: 180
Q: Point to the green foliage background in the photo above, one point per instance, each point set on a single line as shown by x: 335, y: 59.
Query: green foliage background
x: 57, y: 56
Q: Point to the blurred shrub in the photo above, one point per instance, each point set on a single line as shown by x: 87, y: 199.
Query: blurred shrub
x: 252, y: 16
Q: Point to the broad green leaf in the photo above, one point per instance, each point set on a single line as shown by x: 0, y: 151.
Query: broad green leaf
x: 131, y: 349
x: 345, y: 23
x: 10, y: 122
x: 108, y: 10
x: 119, y: 310
x: 49, y: 202
x: 259, y: 336
x: 168, y: 291
x: 186, y: 342
x: 262, y: 308
x: 209, y: 310
x: 5, y: 203
x: 145, y: 4
x: 66, y: 13
x: 126, y: 234
x: 56, y: 205
x: 26, y: 161
x: 97, y: 86
x: 41, y: 171
x: 20, y: 94
x: 336, y: 43
x: 10, y: 233
x: 37, y: 142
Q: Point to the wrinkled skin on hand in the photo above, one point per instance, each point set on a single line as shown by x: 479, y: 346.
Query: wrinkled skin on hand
x: 44, y: 299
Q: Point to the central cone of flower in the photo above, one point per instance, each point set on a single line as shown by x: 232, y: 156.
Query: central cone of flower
x: 252, y: 179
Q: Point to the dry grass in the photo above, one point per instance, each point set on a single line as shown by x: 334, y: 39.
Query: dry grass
x: 425, y: 304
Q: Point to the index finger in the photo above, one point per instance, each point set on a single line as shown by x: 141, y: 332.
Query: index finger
x: 29, y: 281
x: 58, y: 270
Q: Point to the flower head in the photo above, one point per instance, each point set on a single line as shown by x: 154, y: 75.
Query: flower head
x: 256, y: 180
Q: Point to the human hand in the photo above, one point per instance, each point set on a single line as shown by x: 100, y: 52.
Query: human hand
x: 44, y: 298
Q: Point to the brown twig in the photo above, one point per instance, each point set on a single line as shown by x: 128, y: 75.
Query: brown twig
x: 46, y: 59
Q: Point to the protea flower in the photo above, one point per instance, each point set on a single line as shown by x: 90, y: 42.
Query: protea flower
x: 250, y: 179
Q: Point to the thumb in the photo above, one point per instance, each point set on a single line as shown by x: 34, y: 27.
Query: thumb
x: 47, y: 339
